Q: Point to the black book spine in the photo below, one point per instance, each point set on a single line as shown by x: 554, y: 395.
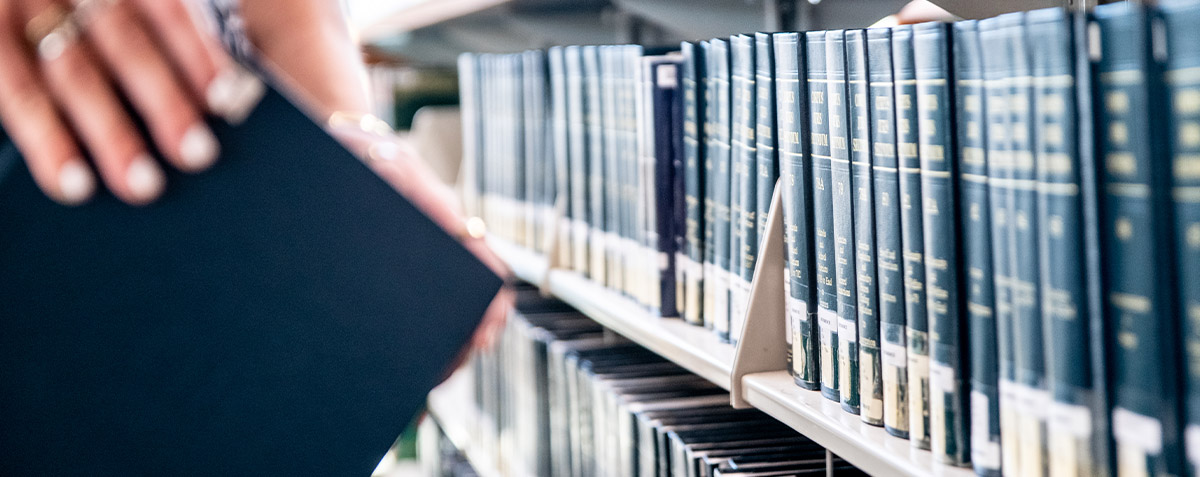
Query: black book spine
x: 912, y: 238
x: 890, y: 268
x: 1061, y: 243
x: 709, y: 135
x: 721, y: 193
x: 1028, y: 346
x: 1183, y: 88
x: 870, y: 371
x: 791, y: 95
x: 745, y: 200
x: 765, y: 136
x: 594, y: 192
x: 997, y: 69
x: 822, y: 206
x: 975, y: 216
x: 1140, y: 291
x: 946, y: 302
x: 668, y: 122
x: 693, y: 172
x: 842, y: 189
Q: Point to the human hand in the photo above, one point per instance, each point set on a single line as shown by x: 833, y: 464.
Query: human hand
x: 68, y: 64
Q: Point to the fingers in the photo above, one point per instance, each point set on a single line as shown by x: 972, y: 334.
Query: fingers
x: 210, y: 74
x: 175, y: 121
x: 88, y: 101
x: 30, y: 118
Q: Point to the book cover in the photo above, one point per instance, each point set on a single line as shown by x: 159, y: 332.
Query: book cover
x: 822, y: 207
x: 723, y: 171
x: 596, y: 195
x: 841, y: 190
x: 695, y: 197
x: 743, y: 198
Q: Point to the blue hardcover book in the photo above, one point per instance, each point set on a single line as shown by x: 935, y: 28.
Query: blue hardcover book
x: 667, y: 117
x: 711, y: 152
x: 721, y: 193
x: 473, y: 130
x: 912, y: 238
x: 285, y: 312
x: 795, y: 168
x: 560, y: 149
x: 690, y: 262
x: 1136, y: 195
x: 841, y: 191
x: 822, y: 206
x: 870, y: 370
x: 890, y: 267
x: 997, y: 69
x: 533, y: 107
x: 610, y: 184
x: 1032, y: 397
x: 945, y: 297
x: 640, y: 259
x: 1183, y: 99
x: 743, y: 199
x: 596, y: 194
x: 766, y: 169
x: 1061, y: 243
x: 975, y: 216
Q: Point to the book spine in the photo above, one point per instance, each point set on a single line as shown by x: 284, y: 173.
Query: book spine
x: 641, y: 262
x: 795, y: 168
x: 709, y: 134
x: 1069, y: 437
x: 975, y: 216
x: 594, y: 193
x: 668, y: 125
x: 765, y: 136
x: 997, y: 71
x: 943, y: 274
x: 745, y: 200
x: 532, y: 64
x: 890, y: 267
x: 870, y: 371
x: 693, y: 162
x: 1139, y: 290
x: 472, y: 146
x: 822, y: 206
x: 841, y: 191
x: 564, y: 162
x: 721, y: 193
x: 1032, y: 398
x: 1183, y: 89
x: 613, y: 243
x: 911, y: 230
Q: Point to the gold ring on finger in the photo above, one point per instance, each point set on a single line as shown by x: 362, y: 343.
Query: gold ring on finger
x: 51, y: 31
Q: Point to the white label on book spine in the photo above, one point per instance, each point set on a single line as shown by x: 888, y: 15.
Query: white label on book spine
x: 984, y: 452
x: 1072, y: 419
x: 895, y: 354
x: 1031, y: 401
x: 1135, y: 430
x: 664, y: 261
x: 1191, y: 444
x: 827, y: 319
x: 797, y: 313
x: 941, y: 378
x: 848, y: 330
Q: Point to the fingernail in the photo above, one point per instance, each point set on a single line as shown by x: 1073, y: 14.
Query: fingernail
x: 145, y: 179
x: 233, y: 94
x: 199, y: 148
x: 383, y: 151
x: 76, y: 183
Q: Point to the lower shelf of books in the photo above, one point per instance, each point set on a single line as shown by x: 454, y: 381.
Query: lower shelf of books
x: 694, y: 348
x: 460, y: 421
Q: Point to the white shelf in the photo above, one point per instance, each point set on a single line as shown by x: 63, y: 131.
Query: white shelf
x: 869, y: 448
x: 692, y: 347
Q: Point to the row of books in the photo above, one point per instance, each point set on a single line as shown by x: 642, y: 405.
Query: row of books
x: 992, y: 227
x: 572, y: 400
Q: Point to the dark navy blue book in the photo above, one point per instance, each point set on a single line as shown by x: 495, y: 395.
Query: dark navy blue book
x: 764, y: 136
x: 283, y: 313
x: 667, y: 120
x: 723, y: 172
x: 870, y: 371
x: 822, y: 206
x: 974, y: 213
x: 997, y: 60
x: 694, y: 194
x: 911, y: 229
x: 795, y: 167
x: 1060, y: 228
x: 889, y: 270
x: 841, y: 189
x: 709, y: 133
x: 1140, y: 291
x: 1183, y: 90
x: 945, y: 298
x: 743, y: 199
